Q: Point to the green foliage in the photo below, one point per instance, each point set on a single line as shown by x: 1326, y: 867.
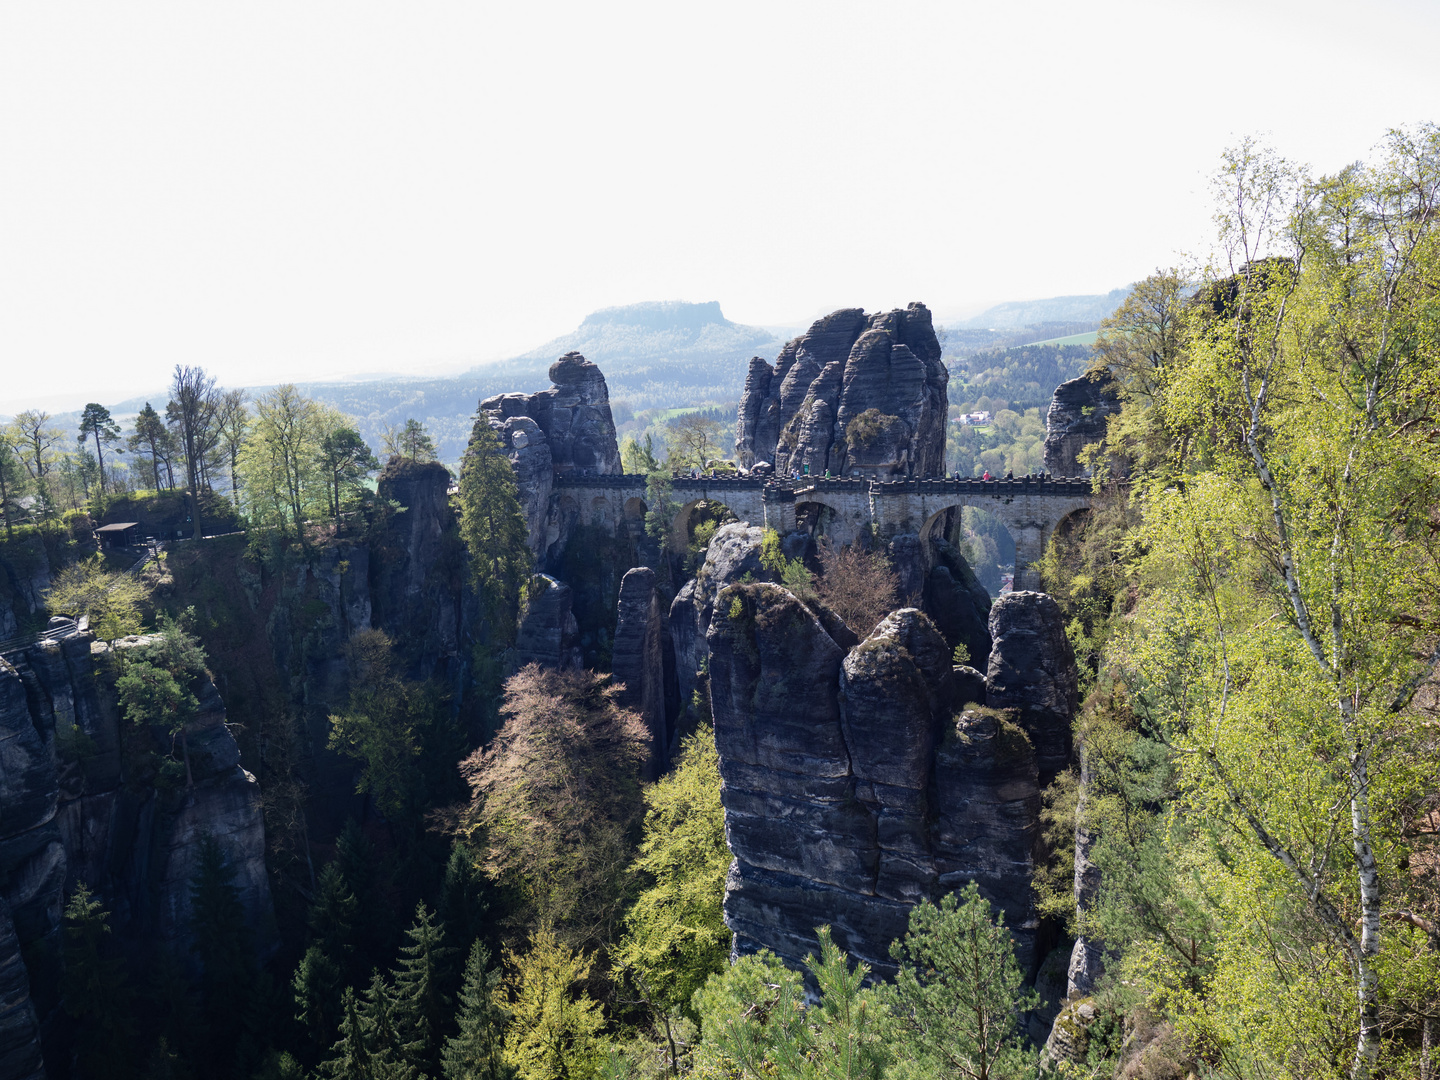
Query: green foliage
x: 866, y: 429
x: 280, y: 462
x: 229, y: 983
x: 675, y: 935
x: 94, y: 990
x: 637, y: 459
x: 111, y: 601
x: 960, y: 655
x: 956, y: 998
x: 410, y: 443
x: 555, y: 1029
x: 660, y: 504
x: 755, y: 1021
x: 476, y: 1052
x: 393, y: 728
x: 422, y: 1008
x: 346, y: 462
x: 494, y: 529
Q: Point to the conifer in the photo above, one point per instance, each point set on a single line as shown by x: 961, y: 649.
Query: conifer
x: 422, y: 1008
x: 476, y: 1052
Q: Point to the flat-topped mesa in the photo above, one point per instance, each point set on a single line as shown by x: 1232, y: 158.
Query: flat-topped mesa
x: 856, y: 395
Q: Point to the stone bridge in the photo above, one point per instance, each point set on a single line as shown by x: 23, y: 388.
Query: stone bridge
x: 1030, y: 507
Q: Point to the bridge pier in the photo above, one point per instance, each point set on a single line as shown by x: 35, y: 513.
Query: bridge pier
x: 1029, y: 550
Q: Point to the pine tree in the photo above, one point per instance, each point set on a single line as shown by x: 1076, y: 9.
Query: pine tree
x: 94, y: 990
x: 463, y: 902
x: 227, y: 960
x: 493, y: 528
x: 422, y: 1008
x: 350, y: 1058
x: 317, y: 987
x: 355, y: 856
x: 476, y: 1053
x: 379, y: 1020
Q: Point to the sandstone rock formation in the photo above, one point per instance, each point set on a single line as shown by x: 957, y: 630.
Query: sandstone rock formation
x: 565, y: 429
x: 20, y: 1056
x: 134, y: 840
x: 1087, y: 956
x: 418, y: 568
x: 734, y: 551
x: 548, y: 634
x: 638, y: 661
x: 855, y: 394
x: 851, y: 787
x: 1032, y: 670
x: 1078, y: 414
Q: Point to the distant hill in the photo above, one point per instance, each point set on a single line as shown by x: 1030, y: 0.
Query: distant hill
x: 658, y: 330
x: 1014, y: 314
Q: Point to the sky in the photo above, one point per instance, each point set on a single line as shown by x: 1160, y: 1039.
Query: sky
x: 284, y: 191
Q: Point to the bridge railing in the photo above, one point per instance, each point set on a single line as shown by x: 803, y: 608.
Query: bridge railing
x: 972, y: 485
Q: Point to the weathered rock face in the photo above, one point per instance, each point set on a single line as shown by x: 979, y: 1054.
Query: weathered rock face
x: 417, y: 580
x: 851, y: 788
x: 1032, y: 670
x: 573, y: 416
x: 20, y: 1055
x: 638, y: 661
x: 24, y: 577
x: 881, y: 371
x: 1088, y: 955
x: 529, y: 455
x: 947, y: 590
x: 72, y: 812
x: 734, y: 551
x: 548, y: 633
x: 1078, y: 414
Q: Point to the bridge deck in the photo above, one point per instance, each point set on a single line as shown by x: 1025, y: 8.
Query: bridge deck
x: 1019, y: 485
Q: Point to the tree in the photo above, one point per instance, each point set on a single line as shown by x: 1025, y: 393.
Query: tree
x: 232, y: 422
x: 958, y: 992
x: 409, y: 443
x: 1289, y: 616
x: 278, y: 462
x: 493, y: 528
x: 859, y: 586
x: 329, y: 963
x: 226, y: 954
x: 369, y: 1044
x: 694, y: 440
x: 675, y: 935
x: 556, y: 797
x: 555, y: 1030
x: 422, y: 1008
x: 94, y: 991
x: 110, y: 601
x: 12, y: 485
x: 639, y: 460
x: 477, y: 1051
x: 96, y: 424
x: 193, y: 405
x: 156, y: 685
x: 755, y: 1020
x: 151, y: 434
x: 345, y: 459
x: 36, y: 440
x: 380, y: 725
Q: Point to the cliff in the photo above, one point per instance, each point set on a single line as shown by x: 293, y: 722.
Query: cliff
x: 858, y: 781
x: 86, y: 798
x: 855, y: 395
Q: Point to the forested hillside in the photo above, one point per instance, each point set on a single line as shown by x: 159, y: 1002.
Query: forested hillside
x: 374, y: 797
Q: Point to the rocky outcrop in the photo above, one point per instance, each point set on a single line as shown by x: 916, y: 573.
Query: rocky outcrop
x: 548, y: 634
x: 638, y: 661
x: 565, y: 429
x: 734, y: 551
x: 1078, y: 414
x: 852, y: 789
x: 1032, y: 671
x: 417, y: 560
x: 20, y: 1056
x: 76, y: 809
x: 854, y: 395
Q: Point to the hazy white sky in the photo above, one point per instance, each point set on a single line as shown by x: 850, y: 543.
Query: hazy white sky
x: 295, y: 190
